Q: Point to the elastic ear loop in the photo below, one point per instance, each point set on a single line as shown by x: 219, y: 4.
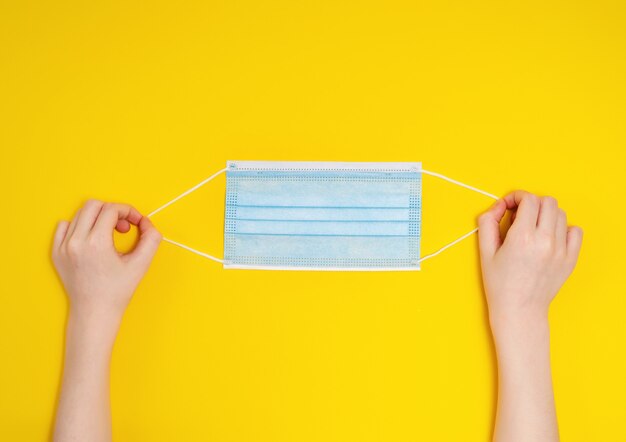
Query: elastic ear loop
x: 471, y: 232
x: 423, y: 258
x: 184, y: 194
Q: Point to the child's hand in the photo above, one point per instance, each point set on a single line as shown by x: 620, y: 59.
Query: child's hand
x: 98, y: 279
x: 100, y: 283
x: 524, y: 271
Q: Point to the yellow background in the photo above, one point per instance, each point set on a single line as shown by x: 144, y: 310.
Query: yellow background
x: 138, y: 101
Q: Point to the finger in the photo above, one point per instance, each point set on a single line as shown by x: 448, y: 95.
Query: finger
x: 574, y: 242
x: 489, y: 228
x: 149, y: 240
x: 59, y: 234
x: 122, y: 226
x: 111, y: 216
x: 561, y: 230
x: 88, y: 216
x: 548, y: 214
x: 72, y: 227
x: 527, y: 206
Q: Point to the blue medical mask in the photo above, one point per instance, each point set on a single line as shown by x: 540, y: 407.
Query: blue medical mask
x: 322, y: 216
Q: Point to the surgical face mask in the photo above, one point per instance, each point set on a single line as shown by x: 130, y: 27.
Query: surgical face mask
x: 322, y: 216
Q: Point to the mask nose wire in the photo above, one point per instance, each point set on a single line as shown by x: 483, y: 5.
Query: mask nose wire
x: 468, y: 234
x: 182, y: 195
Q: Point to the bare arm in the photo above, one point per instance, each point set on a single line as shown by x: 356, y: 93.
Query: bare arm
x: 100, y: 283
x: 522, y: 274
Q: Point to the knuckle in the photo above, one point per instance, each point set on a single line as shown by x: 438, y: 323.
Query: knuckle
x: 155, y: 235
x: 532, y: 198
x: 546, y: 243
x: 529, y: 199
x: 549, y: 201
x: 73, y: 247
x: 93, y: 241
x: 528, y: 239
x: 577, y: 234
x: 520, y: 236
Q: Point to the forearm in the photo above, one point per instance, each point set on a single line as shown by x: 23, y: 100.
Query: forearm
x: 84, y: 412
x: 526, y: 410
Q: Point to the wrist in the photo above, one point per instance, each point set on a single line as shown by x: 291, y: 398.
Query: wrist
x: 519, y: 324
x: 93, y: 328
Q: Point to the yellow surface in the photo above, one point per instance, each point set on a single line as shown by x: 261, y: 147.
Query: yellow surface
x: 137, y: 102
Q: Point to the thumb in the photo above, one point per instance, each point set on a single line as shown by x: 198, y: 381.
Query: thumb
x: 489, y: 239
x: 149, y: 240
